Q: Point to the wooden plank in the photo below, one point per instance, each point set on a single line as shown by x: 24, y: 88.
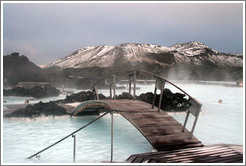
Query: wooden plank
x: 160, y: 129
x: 182, y: 152
x: 172, y: 138
x: 131, y: 159
x: 158, y: 120
x: 153, y: 118
x: 211, y: 154
x: 145, y: 115
x: 207, y: 154
x: 215, y: 159
x: 151, y: 123
x: 178, y: 146
x: 138, y: 159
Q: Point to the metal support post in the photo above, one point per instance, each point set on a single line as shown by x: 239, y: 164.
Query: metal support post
x: 114, y: 86
x: 194, y: 124
x: 112, y: 135
x: 193, y: 127
x: 186, y: 118
x: 130, y: 86
x: 110, y: 91
x: 96, y: 91
x: 153, y: 102
x: 160, y: 100
x: 74, y: 148
x: 134, y: 86
x: 131, y: 78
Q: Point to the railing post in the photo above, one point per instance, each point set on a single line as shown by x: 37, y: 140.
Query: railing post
x: 130, y: 83
x: 130, y: 86
x: 160, y: 100
x: 36, y: 154
x: 96, y: 91
x: 134, y: 86
x: 74, y: 148
x: 194, y: 124
x: 112, y: 135
x: 110, y: 91
x: 153, y: 102
x: 160, y: 86
x: 186, y: 118
x: 114, y: 86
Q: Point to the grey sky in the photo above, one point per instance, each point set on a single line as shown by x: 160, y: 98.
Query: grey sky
x: 47, y: 32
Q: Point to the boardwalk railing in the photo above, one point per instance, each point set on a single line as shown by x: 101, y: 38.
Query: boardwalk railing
x: 194, y: 108
x: 73, y: 134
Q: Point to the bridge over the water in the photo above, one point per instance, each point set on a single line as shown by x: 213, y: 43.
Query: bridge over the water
x: 162, y: 131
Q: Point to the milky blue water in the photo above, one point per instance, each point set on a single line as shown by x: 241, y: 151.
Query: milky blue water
x: 217, y: 123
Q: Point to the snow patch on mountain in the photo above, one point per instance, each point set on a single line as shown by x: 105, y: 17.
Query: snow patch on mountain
x: 83, y: 57
x: 195, y: 53
x: 191, y: 48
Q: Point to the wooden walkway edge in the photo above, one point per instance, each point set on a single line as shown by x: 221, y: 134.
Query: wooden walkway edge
x: 161, y: 130
x: 221, y: 153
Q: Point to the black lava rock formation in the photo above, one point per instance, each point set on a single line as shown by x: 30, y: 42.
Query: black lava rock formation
x: 37, y: 91
x: 170, y: 101
x: 39, y: 109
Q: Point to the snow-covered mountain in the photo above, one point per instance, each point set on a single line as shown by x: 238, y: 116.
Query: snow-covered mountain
x: 133, y: 54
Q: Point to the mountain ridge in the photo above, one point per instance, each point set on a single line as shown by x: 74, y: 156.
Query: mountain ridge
x: 18, y: 68
x: 190, y: 53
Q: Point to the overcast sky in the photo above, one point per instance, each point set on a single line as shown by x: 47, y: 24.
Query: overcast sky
x: 46, y: 32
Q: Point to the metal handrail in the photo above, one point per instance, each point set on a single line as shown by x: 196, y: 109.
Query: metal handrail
x: 111, y: 111
x: 108, y: 76
x: 197, y: 109
x: 192, y: 100
x: 149, y: 73
x: 69, y: 135
x: 156, y: 76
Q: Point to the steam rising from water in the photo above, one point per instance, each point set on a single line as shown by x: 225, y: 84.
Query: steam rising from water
x: 217, y: 123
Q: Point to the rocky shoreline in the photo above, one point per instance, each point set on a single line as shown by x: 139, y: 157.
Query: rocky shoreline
x: 37, y: 110
x: 36, y: 92
x: 170, y: 102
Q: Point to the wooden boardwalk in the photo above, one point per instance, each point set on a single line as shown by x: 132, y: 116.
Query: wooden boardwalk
x: 207, y: 154
x: 161, y: 130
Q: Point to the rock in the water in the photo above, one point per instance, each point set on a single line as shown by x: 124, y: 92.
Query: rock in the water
x: 124, y: 95
x: 37, y: 91
x: 80, y: 97
x: 170, y: 101
x: 146, y: 97
x: 39, y: 109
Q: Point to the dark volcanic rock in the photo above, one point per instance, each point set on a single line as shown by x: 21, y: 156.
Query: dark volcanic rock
x: 146, y: 97
x: 46, y: 91
x: 37, y: 92
x: 124, y: 95
x: 36, y: 110
x: 170, y: 101
x: 80, y: 97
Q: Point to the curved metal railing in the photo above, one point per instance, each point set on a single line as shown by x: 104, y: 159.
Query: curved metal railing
x: 195, y: 105
x: 149, y: 73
